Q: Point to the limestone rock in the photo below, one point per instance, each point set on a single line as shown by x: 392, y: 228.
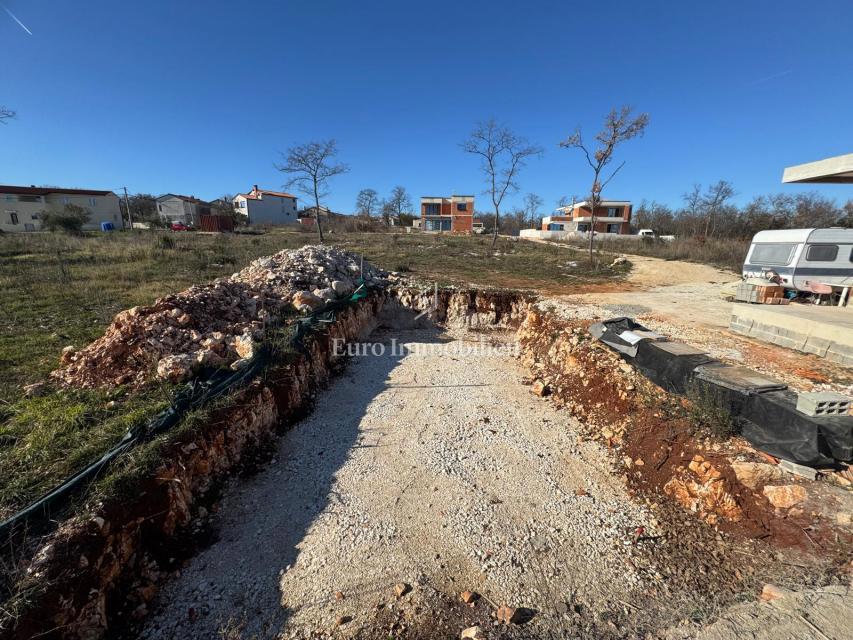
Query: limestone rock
x: 175, y: 368
x: 773, y: 592
x: 756, y: 474
x: 341, y: 287
x: 785, y: 496
x: 305, y: 300
x: 540, y: 388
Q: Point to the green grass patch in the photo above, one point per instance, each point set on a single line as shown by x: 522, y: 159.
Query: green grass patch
x: 59, y: 290
x: 45, y: 440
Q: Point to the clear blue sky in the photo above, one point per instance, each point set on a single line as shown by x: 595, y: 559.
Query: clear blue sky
x: 200, y: 97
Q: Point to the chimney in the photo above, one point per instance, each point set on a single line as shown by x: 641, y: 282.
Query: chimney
x: 255, y: 188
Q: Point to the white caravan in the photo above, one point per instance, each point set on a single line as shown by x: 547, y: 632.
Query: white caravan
x: 803, y: 259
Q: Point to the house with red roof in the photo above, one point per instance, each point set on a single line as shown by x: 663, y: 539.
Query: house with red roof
x: 262, y: 206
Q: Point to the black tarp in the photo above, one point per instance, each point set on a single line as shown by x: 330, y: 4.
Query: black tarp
x: 762, y: 407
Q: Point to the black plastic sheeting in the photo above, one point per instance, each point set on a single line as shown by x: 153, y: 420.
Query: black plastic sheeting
x: 774, y: 425
x: 763, y: 408
x: 194, y: 395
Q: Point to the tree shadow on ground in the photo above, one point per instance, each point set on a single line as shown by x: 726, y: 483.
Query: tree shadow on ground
x: 263, y: 519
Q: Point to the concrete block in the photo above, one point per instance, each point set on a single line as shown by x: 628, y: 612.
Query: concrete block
x: 823, y: 403
x: 798, y: 469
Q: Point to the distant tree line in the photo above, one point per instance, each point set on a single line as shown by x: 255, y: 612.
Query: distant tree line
x: 397, y: 205
x: 710, y: 213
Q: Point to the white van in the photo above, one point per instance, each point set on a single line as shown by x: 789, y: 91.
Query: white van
x: 802, y: 258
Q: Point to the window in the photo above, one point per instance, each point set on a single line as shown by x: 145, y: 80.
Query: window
x: 437, y: 225
x: 432, y: 209
x: 35, y: 216
x: 555, y: 227
x: 613, y: 228
x: 13, y: 217
x: 822, y: 252
x: 66, y: 200
x: 29, y: 198
x: 773, y: 254
x: 462, y: 206
x: 614, y: 212
x: 241, y: 204
x: 159, y: 207
x: 10, y: 198
x: 92, y: 202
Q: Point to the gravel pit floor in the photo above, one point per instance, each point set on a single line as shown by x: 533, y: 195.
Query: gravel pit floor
x: 436, y: 468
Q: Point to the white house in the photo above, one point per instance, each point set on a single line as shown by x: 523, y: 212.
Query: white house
x: 21, y: 207
x: 262, y: 206
x: 184, y: 209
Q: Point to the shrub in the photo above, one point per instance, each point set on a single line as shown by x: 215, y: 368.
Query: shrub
x: 710, y: 412
x: 70, y: 220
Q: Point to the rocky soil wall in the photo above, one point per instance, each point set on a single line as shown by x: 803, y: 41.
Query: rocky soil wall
x: 109, y: 559
x: 108, y: 562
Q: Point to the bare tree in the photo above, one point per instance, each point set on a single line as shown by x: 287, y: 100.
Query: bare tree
x: 532, y: 204
x: 398, y: 203
x: 713, y: 203
x: 5, y: 114
x: 619, y: 126
x: 366, y: 202
x: 503, y: 155
x: 312, y: 165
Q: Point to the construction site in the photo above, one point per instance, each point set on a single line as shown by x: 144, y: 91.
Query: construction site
x: 350, y: 452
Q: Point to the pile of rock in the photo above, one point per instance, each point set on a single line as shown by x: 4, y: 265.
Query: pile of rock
x: 214, y: 325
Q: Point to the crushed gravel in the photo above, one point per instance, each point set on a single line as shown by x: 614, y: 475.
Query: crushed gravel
x: 436, y: 469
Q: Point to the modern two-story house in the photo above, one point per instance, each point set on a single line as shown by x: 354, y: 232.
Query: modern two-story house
x: 611, y: 216
x: 262, y: 206
x: 455, y: 213
x: 21, y: 208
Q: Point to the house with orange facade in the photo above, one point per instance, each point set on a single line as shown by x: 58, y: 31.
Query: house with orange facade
x: 611, y: 216
x: 454, y: 214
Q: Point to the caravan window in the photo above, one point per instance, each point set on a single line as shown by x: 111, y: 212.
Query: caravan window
x: 822, y: 252
x: 773, y: 254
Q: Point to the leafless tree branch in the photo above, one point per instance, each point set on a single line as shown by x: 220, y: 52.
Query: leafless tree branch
x: 503, y: 154
x: 311, y: 166
x: 619, y: 126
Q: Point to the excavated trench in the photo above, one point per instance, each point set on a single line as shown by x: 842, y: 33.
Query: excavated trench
x: 438, y: 472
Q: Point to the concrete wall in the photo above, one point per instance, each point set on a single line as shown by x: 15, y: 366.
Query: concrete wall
x: 268, y: 210
x: 100, y: 208
x: 175, y: 209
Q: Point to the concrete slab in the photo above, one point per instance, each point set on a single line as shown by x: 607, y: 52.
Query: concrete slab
x: 738, y: 378
x: 680, y: 349
x: 823, y: 331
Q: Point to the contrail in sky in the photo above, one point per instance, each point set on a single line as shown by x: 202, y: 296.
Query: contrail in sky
x: 15, y: 18
x: 781, y: 74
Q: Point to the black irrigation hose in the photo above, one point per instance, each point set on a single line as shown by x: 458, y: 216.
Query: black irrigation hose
x: 194, y: 395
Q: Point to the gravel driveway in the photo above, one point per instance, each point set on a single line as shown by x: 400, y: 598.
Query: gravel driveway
x: 438, y: 469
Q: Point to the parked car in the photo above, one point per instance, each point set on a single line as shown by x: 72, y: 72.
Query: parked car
x: 180, y: 226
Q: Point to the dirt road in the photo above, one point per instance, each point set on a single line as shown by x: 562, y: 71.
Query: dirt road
x: 682, y: 300
x: 408, y: 471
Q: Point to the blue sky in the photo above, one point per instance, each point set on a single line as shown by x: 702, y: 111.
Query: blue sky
x: 200, y: 97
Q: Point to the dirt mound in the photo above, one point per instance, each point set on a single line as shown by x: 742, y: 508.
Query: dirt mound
x: 212, y: 325
x: 653, y: 434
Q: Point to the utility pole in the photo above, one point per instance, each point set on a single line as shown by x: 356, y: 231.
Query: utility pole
x: 127, y: 206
